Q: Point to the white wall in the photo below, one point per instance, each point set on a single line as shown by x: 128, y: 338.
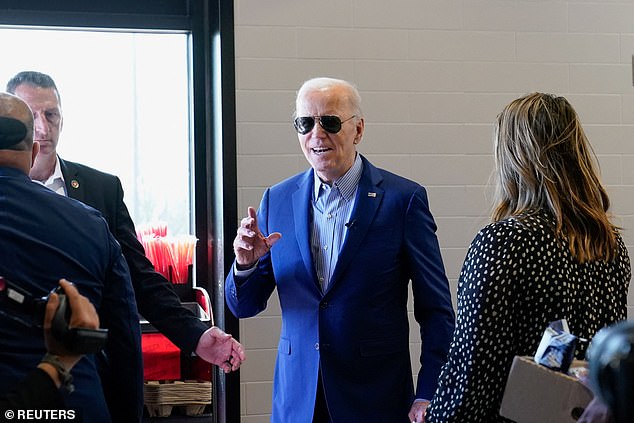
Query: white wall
x: 433, y: 75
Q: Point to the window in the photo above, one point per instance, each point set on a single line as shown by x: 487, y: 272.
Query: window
x: 125, y: 101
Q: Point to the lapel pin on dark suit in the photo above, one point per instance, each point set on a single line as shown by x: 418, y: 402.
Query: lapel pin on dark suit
x: 372, y: 194
x: 74, y: 183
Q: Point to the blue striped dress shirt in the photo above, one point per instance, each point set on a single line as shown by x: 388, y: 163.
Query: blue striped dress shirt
x: 332, y: 207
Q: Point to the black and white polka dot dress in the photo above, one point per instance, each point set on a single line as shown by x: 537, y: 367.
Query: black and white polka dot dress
x: 517, y: 278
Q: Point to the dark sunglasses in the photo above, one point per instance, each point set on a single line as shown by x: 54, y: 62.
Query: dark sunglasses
x: 331, y: 124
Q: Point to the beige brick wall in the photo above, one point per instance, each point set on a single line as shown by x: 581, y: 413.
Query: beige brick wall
x: 433, y: 75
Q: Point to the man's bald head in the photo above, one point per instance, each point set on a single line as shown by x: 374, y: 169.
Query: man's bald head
x: 16, y: 124
x: 17, y: 148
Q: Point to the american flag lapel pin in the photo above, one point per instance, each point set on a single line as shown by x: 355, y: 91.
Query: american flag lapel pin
x: 372, y: 194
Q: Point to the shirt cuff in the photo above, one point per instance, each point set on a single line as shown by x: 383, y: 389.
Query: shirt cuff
x: 243, y: 274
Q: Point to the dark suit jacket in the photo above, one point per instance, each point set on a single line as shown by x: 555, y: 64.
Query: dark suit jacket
x: 44, y: 237
x: 358, y: 330
x: 155, y: 296
x: 36, y: 391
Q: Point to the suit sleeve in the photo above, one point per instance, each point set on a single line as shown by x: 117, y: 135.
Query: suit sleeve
x: 433, y: 308
x: 248, y: 297
x: 123, y: 380
x: 156, y: 299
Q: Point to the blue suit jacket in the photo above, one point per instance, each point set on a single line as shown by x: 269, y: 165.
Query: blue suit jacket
x: 44, y: 237
x: 358, y: 329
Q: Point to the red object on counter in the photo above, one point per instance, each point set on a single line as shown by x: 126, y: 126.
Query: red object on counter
x: 161, y: 358
x: 200, y: 369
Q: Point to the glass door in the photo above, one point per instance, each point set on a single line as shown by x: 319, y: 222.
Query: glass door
x: 149, y: 95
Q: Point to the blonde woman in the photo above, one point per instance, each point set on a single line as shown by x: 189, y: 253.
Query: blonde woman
x: 550, y: 253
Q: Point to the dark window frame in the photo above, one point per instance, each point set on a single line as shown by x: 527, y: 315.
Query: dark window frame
x: 211, y: 24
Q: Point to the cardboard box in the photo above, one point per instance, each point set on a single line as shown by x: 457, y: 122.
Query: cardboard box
x: 536, y: 394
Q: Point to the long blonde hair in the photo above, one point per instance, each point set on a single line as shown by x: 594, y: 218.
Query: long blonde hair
x: 544, y: 161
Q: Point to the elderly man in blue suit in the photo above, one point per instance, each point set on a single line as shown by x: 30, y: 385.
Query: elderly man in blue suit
x: 341, y: 242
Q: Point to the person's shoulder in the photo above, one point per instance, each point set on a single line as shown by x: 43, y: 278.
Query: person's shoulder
x: 535, y: 223
x: 293, y: 181
x: 497, y: 239
x: 81, y: 208
x: 87, y: 171
x: 396, y: 179
x: 501, y: 228
x: 390, y: 178
x: 516, y: 230
x: 65, y: 205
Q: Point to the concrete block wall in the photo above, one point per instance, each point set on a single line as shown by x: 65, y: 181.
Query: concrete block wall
x: 433, y: 75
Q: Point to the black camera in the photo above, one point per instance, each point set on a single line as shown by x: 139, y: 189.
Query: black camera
x: 18, y: 304
x: 611, y: 362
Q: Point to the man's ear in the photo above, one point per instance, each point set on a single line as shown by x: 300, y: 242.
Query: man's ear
x: 34, y: 151
x: 360, y: 129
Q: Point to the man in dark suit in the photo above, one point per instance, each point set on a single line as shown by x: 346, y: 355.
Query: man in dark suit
x: 341, y: 242
x: 45, y: 237
x: 155, y: 296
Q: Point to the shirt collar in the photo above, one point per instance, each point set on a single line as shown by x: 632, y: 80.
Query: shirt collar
x: 57, y: 174
x: 55, y: 182
x: 347, y: 184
